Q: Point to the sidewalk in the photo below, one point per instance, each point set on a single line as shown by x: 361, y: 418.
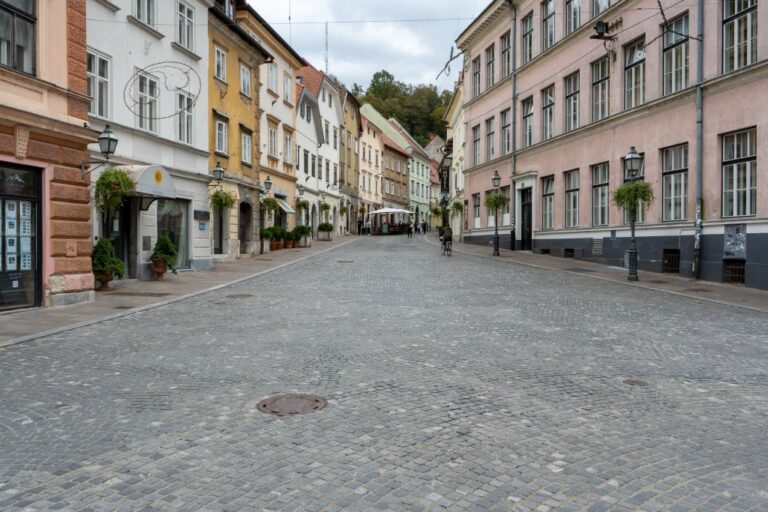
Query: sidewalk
x: 131, y: 296
x: 732, y: 295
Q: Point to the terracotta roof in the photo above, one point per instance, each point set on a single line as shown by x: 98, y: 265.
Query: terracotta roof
x: 433, y: 176
x: 311, y: 78
x: 393, y: 145
x: 299, y: 90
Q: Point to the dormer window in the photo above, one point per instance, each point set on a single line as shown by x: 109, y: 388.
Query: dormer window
x: 228, y: 6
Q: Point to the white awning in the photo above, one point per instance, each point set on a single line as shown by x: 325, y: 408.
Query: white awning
x: 151, y: 181
x: 386, y: 211
x: 284, y: 206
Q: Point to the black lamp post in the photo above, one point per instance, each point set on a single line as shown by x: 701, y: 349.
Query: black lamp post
x: 267, y: 185
x: 107, y: 147
x: 218, y: 172
x: 496, y: 180
x: 632, y: 164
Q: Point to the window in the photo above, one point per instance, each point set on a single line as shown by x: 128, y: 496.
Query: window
x: 246, y: 147
x: 330, y: 100
x: 309, y: 113
x: 676, y: 55
x: 476, y: 208
x: 490, y: 65
x: 547, y: 24
x: 306, y: 162
x: 98, y: 85
x: 314, y: 165
x: 490, y: 150
x: 17, y: 35
x: 272, y: 77
x: 184, y: 106
x: 527, y: 38
x: 599, y: 6
x: 476, y: 77
x: 221, y: 136
x: 739, y: 173
x: 335, y: 173
x: 287, y: 88
x: 634, y: 74
x: 327, y: 170
x: 506, y: 55
x: 148, y: 93
x: 272, y: 142
x: 547, y: 112
x: 185, y: 34
x: 245, y: 80
x: 220, y: 64
x: 739, y: 34
x: 572, y: 102
x: 572, y: 16
x: 335, y: 136
x: 572, y: 199
x: 287, y: 149
x: 506, y: 132
x: 601, y: 84
x: 527, y: 122
x: 600, y: 195
x: 323, y: 93
x: 145, y: 11
x: 547, y: 202
x: 476, y: 145
x: 326, y: 133
x: 674, y: 163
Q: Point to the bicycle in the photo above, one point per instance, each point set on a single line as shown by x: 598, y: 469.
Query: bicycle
x: 447, y: 247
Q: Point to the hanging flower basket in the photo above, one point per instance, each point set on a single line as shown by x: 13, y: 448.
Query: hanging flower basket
x: 221, y: 199
x: 112, y: 187
x: 269, y: 203
x: 457, y: 206
x: 302, y: 204
x: 343, y: 210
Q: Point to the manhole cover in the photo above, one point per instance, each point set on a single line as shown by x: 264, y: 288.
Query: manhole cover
x: 240, y: 296
x: 636, y: 383
x: 289, y: 405
x: 345, y: 261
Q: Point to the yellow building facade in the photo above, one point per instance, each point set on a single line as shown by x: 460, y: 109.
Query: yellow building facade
x: 235, y: 134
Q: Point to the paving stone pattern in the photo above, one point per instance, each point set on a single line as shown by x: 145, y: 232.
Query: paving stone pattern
x: 452, y: 383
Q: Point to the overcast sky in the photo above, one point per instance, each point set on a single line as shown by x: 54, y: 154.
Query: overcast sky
x: 414, y: 52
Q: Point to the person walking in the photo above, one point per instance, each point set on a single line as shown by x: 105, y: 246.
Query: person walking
x: 410, y: 229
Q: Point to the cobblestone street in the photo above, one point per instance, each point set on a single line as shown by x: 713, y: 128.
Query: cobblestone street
x: 506, y: 388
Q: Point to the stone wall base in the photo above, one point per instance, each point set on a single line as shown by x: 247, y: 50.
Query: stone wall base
x: 67, y: 299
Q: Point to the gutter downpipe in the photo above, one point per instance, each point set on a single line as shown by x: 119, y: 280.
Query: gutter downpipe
x: 696, y: 264
x: 512, y: 189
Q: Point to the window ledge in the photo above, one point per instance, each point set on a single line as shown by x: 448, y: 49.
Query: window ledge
x: 220, y: 81
x: 186, y: 51
x: 109, y: 5
x: 247, y: 164
x: 287, y: 103
x: 273, y: 93
x: 148, y: 28
x: 221, y: 154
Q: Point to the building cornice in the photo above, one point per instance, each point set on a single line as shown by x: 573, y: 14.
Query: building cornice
x: 38, y: 123
x: 484, y: 22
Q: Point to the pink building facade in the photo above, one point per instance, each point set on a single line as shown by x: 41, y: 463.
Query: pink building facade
x: 582, y: 103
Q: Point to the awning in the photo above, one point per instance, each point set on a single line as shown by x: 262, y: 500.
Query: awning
x: 152, y: 182
x: 284, y: 206
x: 385, y: 211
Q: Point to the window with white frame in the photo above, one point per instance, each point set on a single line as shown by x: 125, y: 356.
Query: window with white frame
x: 740, y: 173
x: 739, y: 34
x: 634, y: 74
x: 572, y: 199
x: 145, y: 11
x: 527, y: 38
x: 222, y: 135
x: 18, y: 35
x: 547, y: 202
x: 527, y: 122
x: 600, y: 194
x: 547, y: 112
x: 148, y: 93
x: 98, y: 84
x: 599, y: 6
x: 184, y: 120
x: 674, y: 189
x: 601, y: 85
x: 314, y: 165
x: 287, y: 149
x: 272, y: 77
x: 676, y: 55
x: 335, y: 137
x: 572, y: 15
x: 246, y: 147
x: 506, y: 132
x: 490, y: 66
x: 476, y: 208
x: 272, y: 141
x: 220, y: 64
x: 476, y: 77
x: 245, y: 80
x: 572, y: 106
x: 476, y: 145
x: 547, y: 24
x: 506, y: 55
x: 185, y: 26
x: 490, y: 135
x: 287, y: 88
x: 505, y: 209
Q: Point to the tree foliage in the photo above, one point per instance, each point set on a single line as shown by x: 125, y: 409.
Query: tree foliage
x: 496, y: 200
x: 419, y: 108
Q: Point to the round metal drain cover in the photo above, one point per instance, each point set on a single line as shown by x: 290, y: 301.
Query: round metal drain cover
x: 635, y: 382
x: 289, y: 405
x: 240, y: 296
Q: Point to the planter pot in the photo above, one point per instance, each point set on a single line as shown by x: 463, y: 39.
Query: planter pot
x: 305, y: 241
x: 159, y: 267
x: 272, y: 245
x: 324, y: 236
x: 104, y: 278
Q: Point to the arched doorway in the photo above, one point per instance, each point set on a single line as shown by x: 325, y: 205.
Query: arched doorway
x: 245, y: 227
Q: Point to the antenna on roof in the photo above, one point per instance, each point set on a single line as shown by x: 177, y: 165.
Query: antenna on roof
x: 326, y: 47
x: 290, y: 25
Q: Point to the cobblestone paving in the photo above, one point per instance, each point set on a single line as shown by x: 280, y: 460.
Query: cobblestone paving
x: 453, y: 384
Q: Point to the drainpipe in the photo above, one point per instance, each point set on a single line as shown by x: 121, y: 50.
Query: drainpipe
x: 696, y: 265
x: 512, y: 191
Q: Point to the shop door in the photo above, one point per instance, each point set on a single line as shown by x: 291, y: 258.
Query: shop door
x: 244, y: 226
x: 173, y: 220
x: 526, y: 219
x: 20, y: 235
x: 117, y: 229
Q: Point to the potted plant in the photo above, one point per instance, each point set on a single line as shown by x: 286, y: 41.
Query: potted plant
x: 304, y: 232
x: 112, y: 187
x: 278, y: 236
x: 436, y: 211
x: 106, y: 264
x: 266, y: 234
x: 221, y: 199
x: 324, y: 231
x: 163, y: 257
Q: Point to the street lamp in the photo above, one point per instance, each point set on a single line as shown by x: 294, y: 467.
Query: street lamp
x: 496, y: 181
x: 267, y: 185
x: 107, y: 147
x: 218, y: 172
x: 632, y: 164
